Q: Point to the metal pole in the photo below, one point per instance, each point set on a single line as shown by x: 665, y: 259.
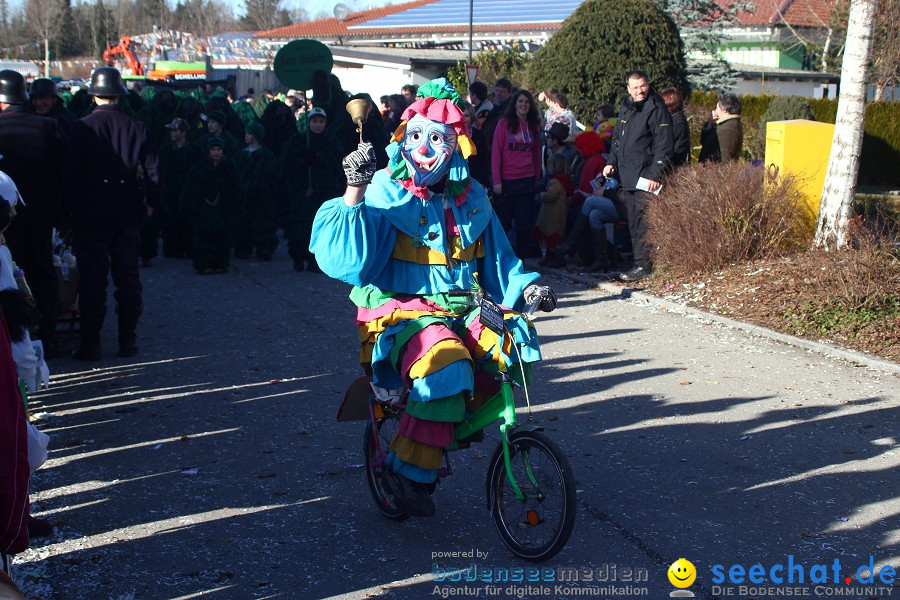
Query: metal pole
x: 471, y: 12
x: 46, y: 57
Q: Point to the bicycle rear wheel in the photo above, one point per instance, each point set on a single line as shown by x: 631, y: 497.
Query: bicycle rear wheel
x: 537, y: 527
x: 384, y: 429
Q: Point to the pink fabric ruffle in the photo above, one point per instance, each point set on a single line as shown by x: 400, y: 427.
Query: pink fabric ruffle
x: 364, y: 315
x: 442, y: 111
x: 419, y: 345
x: 432, y: 433
x: 450, y: 220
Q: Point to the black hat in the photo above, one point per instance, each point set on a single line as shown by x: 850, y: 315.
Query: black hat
x: 106, y: 82
x: 218, y: 116
x: 12, y: 87
x: 559, y: 132
x: 178, y: 123
x: 43, y: 87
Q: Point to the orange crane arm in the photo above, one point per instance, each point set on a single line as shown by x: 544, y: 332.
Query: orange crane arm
x: 123, y: 49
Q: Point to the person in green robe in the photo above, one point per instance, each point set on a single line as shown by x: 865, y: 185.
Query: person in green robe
x: 211, y: 196
x: 255, y: 224
x: 311, y: 174
x: 215, y: 127
x: 176, y: 159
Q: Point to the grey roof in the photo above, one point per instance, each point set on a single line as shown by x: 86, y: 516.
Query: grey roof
x: 27, y: 69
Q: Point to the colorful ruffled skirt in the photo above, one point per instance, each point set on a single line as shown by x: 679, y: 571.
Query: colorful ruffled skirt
x: 439, y: 350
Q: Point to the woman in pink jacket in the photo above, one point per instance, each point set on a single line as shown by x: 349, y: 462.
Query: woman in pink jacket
x: 516, y: 168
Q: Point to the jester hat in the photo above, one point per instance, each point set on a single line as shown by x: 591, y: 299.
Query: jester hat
x: 436, y: 101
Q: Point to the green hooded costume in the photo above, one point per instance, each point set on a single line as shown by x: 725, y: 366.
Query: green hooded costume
x: 211, y: 198
x: 255, y: 225
x: 175, y: 163
x: 321, y: 158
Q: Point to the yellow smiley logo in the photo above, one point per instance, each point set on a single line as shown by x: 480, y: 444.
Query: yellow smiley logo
x: 682, y: 573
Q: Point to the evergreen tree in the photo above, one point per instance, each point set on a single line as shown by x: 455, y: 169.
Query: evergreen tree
x: 262, y: 14
x: 492, y: 64
x: 702, y: 24
x: 590, y: 55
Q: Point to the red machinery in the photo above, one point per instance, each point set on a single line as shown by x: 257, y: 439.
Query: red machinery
x: 124, y: 49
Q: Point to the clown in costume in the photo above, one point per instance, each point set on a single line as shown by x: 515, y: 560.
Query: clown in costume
x: 404, y: 237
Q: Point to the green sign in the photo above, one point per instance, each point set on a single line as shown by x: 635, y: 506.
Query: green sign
x: 297, y: 62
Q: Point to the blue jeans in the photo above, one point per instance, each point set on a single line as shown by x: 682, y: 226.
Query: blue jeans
x: 599, y: 210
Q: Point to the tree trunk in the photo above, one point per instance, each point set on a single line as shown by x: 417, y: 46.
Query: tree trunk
x: 836, y: 207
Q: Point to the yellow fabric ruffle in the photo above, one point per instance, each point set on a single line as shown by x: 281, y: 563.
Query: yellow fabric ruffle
x: 439, y: 356
x: 417, y: 453
x: 407, y: 251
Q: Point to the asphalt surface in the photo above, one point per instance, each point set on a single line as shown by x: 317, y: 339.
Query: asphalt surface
x: 212, y: 464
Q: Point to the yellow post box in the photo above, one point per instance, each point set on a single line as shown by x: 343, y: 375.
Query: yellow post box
x: 800, y: 148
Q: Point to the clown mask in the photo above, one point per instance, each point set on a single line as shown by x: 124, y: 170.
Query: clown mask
x: 428, y: 147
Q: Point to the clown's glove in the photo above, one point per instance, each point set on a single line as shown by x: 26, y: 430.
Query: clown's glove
x: 541, y: 296
x: 359, y: 165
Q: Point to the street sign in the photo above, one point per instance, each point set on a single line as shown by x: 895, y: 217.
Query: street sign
x: 297, y: 62
x: 471, y: 73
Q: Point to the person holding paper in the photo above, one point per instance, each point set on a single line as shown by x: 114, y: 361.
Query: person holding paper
x: 641, y: 148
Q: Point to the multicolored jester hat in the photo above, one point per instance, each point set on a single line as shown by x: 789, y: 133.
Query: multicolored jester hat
x: 432, y: 142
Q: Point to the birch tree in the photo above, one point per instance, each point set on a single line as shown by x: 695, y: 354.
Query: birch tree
x: 836, y: 207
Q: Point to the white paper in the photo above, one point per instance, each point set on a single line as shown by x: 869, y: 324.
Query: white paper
x: 644, y: 184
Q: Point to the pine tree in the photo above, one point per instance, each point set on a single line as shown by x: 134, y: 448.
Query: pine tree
x: 261, y: 14
x: 590, y: 55
x: 702, y: 24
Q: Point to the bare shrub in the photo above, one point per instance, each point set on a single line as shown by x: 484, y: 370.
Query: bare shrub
x: 712, y: 215
x: 866, y: 276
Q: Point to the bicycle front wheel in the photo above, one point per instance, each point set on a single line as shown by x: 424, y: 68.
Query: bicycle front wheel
x: 537, y: 527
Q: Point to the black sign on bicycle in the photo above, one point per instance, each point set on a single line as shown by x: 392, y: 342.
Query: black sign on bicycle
x: 491, y: 316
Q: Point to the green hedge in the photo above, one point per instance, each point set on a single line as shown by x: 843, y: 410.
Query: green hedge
x: 881, y: 145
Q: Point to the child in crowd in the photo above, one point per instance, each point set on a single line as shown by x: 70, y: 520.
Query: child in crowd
x: 551, y: 221
x: 215, y: 127
x: 211, y: 196
x: 176, y: 158
x: 605, y: 123
x: 256, y: 223
x: 311, y: 174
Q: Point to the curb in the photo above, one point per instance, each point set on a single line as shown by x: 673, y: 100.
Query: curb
x: 857, y: 358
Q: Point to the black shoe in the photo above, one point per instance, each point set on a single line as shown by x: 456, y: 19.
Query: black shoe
x: 313, y: 267
x: 87, y: 352
x: 635, y: 274
x: 127, y: 348
x: 39, y: 527
x: 411, y: 496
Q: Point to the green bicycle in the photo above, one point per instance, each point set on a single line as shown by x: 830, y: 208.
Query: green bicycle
x: 530, y: 488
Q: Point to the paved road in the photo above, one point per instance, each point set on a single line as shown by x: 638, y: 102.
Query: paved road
x: 211, y: 465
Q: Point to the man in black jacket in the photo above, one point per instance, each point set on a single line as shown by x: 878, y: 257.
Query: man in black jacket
x: 641, y: 148
x: 33, y: 149
x: 107, y: 153
x: 45, y: 101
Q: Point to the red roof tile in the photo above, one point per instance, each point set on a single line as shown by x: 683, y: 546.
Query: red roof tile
x: 797, y: 13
